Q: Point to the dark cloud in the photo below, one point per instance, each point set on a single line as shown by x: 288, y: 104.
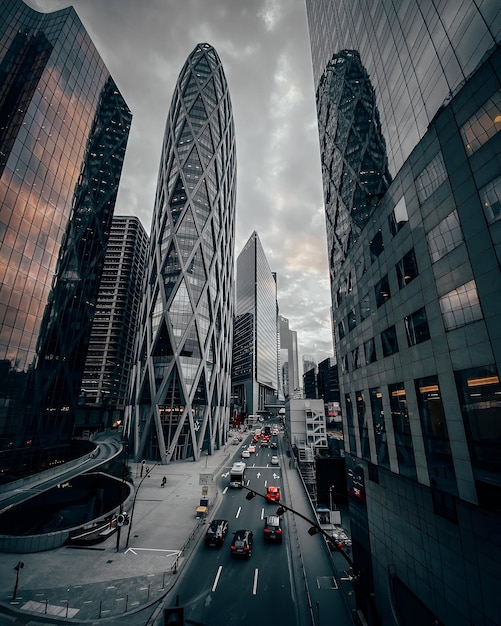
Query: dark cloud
x: 264, y: 47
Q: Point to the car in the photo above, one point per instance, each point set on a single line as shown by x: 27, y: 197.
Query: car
x: 272, y: 530
x: 251, y: 449
x: 235, y: 441
x: 216, y: 533
x: 245, y: 454
x: 273, y: 493
x: 274, y: 460
x: 241, y: 546
x: 264, y: 443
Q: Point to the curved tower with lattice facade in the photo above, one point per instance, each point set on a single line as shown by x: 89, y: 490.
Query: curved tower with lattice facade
x: 181, y: 384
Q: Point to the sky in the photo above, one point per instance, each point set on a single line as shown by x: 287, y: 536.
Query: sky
x: 264, y: 48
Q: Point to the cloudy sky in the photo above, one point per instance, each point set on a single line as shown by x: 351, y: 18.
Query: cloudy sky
x: 264, y: 48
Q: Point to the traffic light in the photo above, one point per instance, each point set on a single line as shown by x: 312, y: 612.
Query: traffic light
x: 174, y: 616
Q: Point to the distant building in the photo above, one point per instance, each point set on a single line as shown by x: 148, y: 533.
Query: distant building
x: 63, y: 132
x: 306, y: 430
x: 408, y: 104
x: 181, y: 386
x: 111, y: 349
x: 289, y: 356
x: 309, y: 363
x: 255, y: 380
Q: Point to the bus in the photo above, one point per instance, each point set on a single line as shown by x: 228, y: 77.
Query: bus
x: 237, y: 475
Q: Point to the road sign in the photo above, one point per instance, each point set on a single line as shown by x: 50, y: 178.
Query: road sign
x: 205, y: 479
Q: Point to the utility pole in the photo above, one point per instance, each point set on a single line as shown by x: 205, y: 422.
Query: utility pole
x: 18, y: 567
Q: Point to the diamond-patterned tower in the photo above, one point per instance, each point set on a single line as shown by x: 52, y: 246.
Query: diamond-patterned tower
x: 181, y: 383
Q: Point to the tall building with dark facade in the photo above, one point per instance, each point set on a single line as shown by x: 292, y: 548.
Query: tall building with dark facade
x: 255, y: 380
x: 104, y: 391
x: 181, y: 385
x: 63, y: 132
x: 416, y: 284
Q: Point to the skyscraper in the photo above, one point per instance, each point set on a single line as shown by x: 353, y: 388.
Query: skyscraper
x: 180, y: 389
x: 413, y: 296
x: 63, y: 131
x: 255, y: 354
x: 104, y: 392
x: 289, y: 362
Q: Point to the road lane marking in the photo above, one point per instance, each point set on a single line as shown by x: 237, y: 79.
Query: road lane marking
x: 238, y: 512
x: 254, y: 586
x: 225, y: 490
x: 216, y: 580
x: 262, y: 513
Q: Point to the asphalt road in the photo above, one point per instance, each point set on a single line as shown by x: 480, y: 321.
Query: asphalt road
x: 218, y: 589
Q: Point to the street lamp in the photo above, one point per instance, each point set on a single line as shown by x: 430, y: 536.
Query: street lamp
x: 313, y: 530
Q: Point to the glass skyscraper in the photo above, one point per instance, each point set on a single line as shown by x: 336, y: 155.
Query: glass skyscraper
x: 255, y: 379
x: 415, y: 292
x: 63, y: 132
x: 181, y: 385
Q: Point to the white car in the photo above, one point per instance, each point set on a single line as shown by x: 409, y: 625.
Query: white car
x: 245, y: 454
x: 251, y: 448
x: 274, y: 460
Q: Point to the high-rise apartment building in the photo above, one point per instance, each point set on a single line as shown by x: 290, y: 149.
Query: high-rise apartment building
x: 63, y: 132
x: 289, y: 358
x: 104, y: 392
x: 255, y: 380
x: 181, y: 383
x: 415, y: 290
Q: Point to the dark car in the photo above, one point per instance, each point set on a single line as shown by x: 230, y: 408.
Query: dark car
x: 216, y: 533
x: 241, y: 546
x: 272, y: 530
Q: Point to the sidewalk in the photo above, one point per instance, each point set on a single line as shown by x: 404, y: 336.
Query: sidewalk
x: 89, y: 584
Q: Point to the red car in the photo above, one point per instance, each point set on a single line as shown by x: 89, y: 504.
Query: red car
x: 273, y: 494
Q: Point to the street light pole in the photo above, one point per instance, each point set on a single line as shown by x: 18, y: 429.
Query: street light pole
x: 315, y: 528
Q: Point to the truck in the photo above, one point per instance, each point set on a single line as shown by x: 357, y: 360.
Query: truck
x: 237, y: 475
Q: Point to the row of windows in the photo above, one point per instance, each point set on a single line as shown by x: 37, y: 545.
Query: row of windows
x: 406, y: 270
x: 478, y: 390
x: 459, y: 307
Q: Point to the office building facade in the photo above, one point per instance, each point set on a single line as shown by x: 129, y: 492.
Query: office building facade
x: 104, y: 391
x: 181, y: 384
x: 255, y: 378
x: 63, y: 132
x: 413, y: 290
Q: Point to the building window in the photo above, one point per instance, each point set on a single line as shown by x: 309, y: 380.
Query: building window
x: 416, y: 327
x: 407, y: 269
x: 446, y: 236
x: 431, y: 177
x: 364, y: 307
x: 382, y: 291
x: 341, y: 292
x: 491, y: 200
x: 370, y: 351
x: 389, y: 341
x: 344, y: 364
x: 355, y: 359
x: 341, y: 329
x: 480, y: 393
x: 380, y: 440
x: 350, y: 424
x: 351, y: 320
x: 398, y: 218
x: 362, y: 426
x: 376, y: 246
x: 402, y: 430
x: 461, y: 306
x: 360, y: 267
x: 483, y: 125
x: 435, y: 435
